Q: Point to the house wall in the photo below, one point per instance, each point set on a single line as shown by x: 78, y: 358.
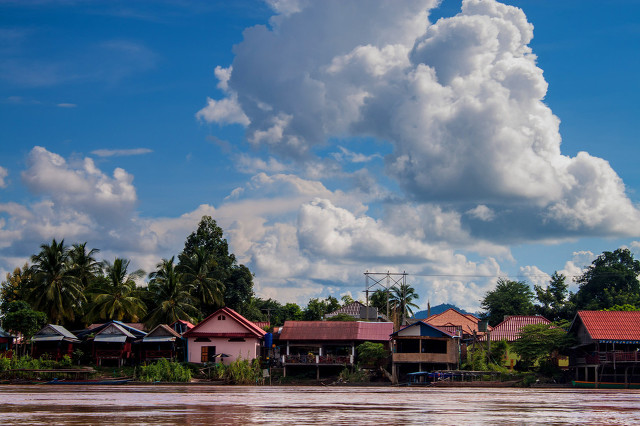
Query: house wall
x: 451, y: 357
x: 249, y: 349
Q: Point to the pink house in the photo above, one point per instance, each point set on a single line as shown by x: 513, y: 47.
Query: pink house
x: 223, y: 336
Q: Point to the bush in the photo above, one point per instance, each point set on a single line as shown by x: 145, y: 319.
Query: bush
x: 243, y: 372
x: 164, y: 371
x: 355, y: 376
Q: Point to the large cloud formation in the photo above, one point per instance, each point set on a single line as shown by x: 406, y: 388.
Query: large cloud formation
x: 460, y: 101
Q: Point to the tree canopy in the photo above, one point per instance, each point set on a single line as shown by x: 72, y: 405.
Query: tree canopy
x: 612, y: 279
x: 508, y: 298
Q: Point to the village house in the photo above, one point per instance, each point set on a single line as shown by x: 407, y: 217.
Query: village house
x: 161, y: 342
x: 53, y: 341
x: 424, y: 347
x: 6, y: 343
x: 509, y: 330
x: 607, y: 351
x: 468, y: 324
x: 224, y: 336
x: 327, y: 344
x: 113, y: 342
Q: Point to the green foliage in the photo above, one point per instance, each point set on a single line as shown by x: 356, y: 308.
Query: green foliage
x: 508, y: 298
x: 357, y: 375
x: 28, y: 363
x: 401, y: 300
x: 612, y: 279
x: 374, y: 354
x: 56, y: 291
x: 316, y: 308
x: 223, y: 268
x: 239, y: 372
x: 342, y: 317
x: 200, y: 275
x: 164, y: 371
x: 626, y: 307
x: 20, y: 318
x: 170, y: 297
x: 15, y: 287
x: 554, y: 299
x: 115, y: 296
x: 539, y: 342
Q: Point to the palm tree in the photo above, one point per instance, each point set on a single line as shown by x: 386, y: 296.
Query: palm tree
x: 56, y: 291
x: 117, y: 297
x: 170, y: 296
x: 83, y: 264
x: 402, y: 300
x: 197, y: 274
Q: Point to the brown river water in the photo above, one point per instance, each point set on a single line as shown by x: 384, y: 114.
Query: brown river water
x: 280, y: 405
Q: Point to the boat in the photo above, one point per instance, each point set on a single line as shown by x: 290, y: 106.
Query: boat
x: 604, y: 385
x: 118, y: 381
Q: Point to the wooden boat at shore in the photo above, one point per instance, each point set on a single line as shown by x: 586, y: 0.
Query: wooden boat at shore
x: 604, y: 385
x: 476, y: 384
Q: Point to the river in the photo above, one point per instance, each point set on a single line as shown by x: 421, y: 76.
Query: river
x: 291, y: 405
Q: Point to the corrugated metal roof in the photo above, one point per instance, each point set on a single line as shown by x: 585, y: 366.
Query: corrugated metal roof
x: 611, y: 325
x: 161, y: 330
x: 156, y: 339
x: 52, y: 332
x: 113, y: 329
x: 452, y: 317
x: 336, y: 330
x: 450, y: 331
x: 110, y: 338
x: 250, y: 326
x: 352, y: 309
x: 510, y: 328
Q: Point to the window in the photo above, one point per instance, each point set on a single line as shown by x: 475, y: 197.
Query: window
x: 237, y: 339
x: 208, y: 354
x: 221, y: 318
x: 202, y: 339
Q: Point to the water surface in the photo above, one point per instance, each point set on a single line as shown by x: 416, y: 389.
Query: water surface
x: 238, y: 405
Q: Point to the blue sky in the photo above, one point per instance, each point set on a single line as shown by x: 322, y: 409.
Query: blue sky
x: 326, y: 138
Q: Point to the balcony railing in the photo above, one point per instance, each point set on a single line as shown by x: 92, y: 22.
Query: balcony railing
x: 158, y: 354
x: 318, y: 359
x: 110, y: 353
x: 609, y: 357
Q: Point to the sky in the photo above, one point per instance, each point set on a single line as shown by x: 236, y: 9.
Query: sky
x: 456, y: 141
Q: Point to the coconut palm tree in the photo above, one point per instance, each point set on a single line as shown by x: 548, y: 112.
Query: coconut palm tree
x: 83, y: 264
x: 169, y: 295
x: 197, y: 273
x: 402, y: 299
x: 56, y: 291
x: 116, y: 297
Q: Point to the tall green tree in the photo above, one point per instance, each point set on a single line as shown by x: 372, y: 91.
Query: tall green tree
x: 20, y: 318
x: 539, y: 341
x: 83, y: 264
x: 116, y: 296
x: 554, y: 303
x: 198, y: 273
x: 170, y: 297
x: 508, y: 298
x: 317, y: 308
x: 237, y: 278
x: 56, y: 291
x: 612, y: 279
x: 402, y: 299
x: 15, y: 286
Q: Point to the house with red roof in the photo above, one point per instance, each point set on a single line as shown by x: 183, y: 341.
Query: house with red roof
x: 424, y: 347
x: 607, y: 348
x: 224, y: 336
x: 467, y: 323
x: 509, y: 330
x: 327, y: 343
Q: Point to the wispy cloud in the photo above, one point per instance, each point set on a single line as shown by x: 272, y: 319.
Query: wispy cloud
x: 3, y: 175
x: 66, y: 105
x: 121, y: 152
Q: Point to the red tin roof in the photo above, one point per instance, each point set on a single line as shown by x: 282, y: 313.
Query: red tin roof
x: 336, y: 330
x: 510, y: 328
x: 250, y: 326
x: 452, y: 317
x: 611, y: 325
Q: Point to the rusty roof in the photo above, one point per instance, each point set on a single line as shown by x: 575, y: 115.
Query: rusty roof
x: 336, y: 330
x: 510, y: 328
x: 352, y: 309
x: 162, y: 330
x: 610, y: 325
x: 452, y: 317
